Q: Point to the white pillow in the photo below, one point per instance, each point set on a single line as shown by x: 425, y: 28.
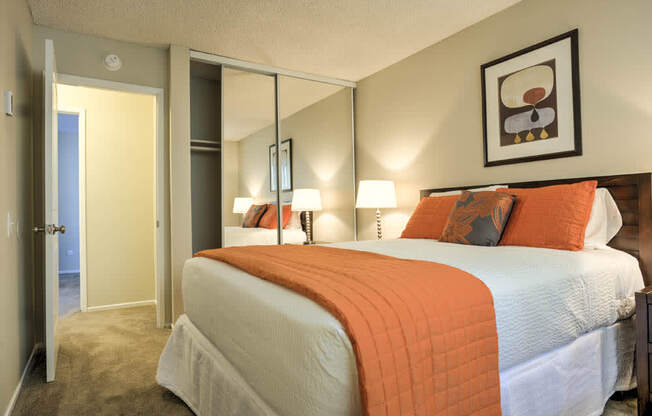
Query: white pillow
x: 605, y: 220
x: 459, y: 191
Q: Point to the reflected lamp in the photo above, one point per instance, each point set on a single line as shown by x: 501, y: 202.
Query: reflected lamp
x: 241, y: 205
x: 307, y: 200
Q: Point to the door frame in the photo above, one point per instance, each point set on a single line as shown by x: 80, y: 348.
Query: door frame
x: 81, y: 194
x: 160, y: 226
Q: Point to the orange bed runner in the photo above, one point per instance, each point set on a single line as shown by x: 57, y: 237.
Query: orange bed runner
x: 424, y: 333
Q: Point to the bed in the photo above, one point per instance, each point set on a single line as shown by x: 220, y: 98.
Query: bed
x: 240, y: 236
x: 566, y: 337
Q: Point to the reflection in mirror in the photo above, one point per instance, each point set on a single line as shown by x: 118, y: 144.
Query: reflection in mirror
x: 249, y: 204
x: 315, y: 169
x: 316, y: 159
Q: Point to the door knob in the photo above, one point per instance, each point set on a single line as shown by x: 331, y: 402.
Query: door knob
x: 50, y: 229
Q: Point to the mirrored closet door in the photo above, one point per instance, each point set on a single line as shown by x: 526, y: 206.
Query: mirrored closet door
x: 285, y: 152
x: 250, y: 195
x: 317, y: 166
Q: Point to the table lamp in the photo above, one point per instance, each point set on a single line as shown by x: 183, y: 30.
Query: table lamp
x: 308, y: 200
x: 376, y: 194
x: 241, y: 205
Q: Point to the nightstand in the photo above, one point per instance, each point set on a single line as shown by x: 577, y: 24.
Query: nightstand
x: 643, y: 348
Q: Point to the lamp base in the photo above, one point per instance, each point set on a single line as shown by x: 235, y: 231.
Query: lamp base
x: 378, y: 227
x: 309, y: 228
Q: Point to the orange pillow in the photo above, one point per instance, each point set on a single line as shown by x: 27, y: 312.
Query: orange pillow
x: 269, y: 219
x: 550, y: 217
x: 429, y: 218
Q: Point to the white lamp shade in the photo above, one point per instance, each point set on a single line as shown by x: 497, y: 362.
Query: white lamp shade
x: 376, y: 194
x: 242, y: 205
x: 306, y: 200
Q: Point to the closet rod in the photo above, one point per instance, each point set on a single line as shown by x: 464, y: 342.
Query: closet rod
x: 204, y: 149
x: 213, y: 142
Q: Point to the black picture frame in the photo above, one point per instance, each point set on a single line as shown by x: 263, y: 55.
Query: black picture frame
x: 287, y: 144
x: 576, y: 107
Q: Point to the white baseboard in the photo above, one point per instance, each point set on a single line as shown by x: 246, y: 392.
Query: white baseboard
x: 28, y: 365
x: 69, y: 271
x: 121, y: 305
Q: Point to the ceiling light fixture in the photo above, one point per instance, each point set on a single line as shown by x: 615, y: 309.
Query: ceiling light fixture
x: 112, y: 62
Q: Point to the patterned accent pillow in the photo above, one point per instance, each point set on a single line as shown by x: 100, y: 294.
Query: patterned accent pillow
x: 253, y: 216
x: 478, y: 218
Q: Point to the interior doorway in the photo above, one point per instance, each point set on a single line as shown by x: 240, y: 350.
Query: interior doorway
x: 71, y: 136
x: 110, y: 196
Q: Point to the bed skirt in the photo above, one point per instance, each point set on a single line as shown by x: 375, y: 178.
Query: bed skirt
x: 197, y: 372
x: 576, y: 379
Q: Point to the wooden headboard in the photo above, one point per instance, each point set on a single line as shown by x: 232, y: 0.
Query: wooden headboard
x: 632, y: 193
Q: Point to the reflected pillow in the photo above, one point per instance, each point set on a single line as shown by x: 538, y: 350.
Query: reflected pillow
x: 478, y: 218
x: 269, y: 218
x: 253, y: 216
x: 295, y: 222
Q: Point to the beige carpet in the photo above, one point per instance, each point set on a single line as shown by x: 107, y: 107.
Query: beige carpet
x: 107, y: 366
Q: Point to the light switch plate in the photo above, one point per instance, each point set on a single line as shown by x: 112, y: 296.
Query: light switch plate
x: 10, y: 225
x: 9, y: 103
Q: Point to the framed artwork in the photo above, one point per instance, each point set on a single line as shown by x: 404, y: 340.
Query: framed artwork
x: 285, y: 161
x: 531, y: 103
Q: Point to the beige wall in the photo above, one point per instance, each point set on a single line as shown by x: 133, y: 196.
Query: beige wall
x: 82, y: 55
x: 231, y: 182
x: 254, y: 165
x: 419, y: 121
x: 16, y: 272
x: 322, y: 158
x: 180, y: 202
x: 120, y: 183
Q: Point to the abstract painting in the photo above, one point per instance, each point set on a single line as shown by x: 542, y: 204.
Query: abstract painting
x: 285, y: 162
x: 528, y: 104
x: 531, y: 106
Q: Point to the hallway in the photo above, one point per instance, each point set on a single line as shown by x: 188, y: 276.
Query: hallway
x: 68, y: 294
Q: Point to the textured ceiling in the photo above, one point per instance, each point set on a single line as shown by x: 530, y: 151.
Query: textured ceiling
x: 346, y: 39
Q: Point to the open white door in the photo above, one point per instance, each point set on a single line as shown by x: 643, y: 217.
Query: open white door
x: 50, y: 229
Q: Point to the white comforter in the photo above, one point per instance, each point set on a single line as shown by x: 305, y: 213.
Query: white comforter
x: 288, y: 348
x: 240, y: 236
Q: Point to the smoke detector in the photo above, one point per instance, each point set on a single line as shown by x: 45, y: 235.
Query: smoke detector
x: 112, y: 62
